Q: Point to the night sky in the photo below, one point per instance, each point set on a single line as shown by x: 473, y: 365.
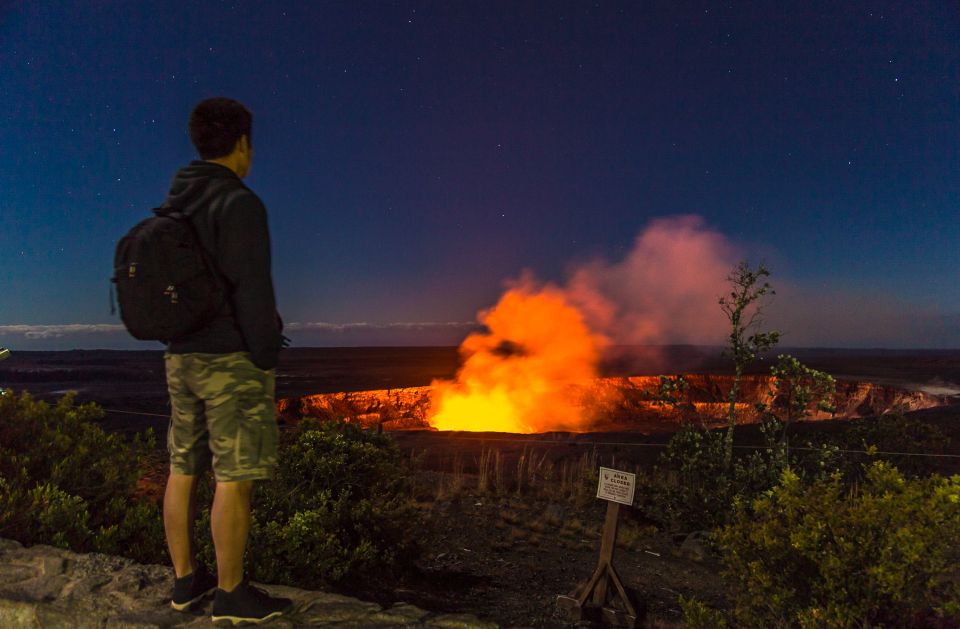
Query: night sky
x: 414, y: 156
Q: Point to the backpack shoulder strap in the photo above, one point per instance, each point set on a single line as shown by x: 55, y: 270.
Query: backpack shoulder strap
x: 207, y: 257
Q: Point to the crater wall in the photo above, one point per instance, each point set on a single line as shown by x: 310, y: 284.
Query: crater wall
x: 623, y: 403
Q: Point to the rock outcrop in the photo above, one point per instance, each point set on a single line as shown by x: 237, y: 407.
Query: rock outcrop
x: 49, y: 588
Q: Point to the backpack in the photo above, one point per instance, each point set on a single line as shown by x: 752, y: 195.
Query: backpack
x: 167, y: 284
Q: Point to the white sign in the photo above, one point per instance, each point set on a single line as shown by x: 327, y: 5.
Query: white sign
x: 616, y: 486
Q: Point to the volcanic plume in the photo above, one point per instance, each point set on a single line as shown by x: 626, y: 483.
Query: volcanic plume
x: 542, y: 343
x: 663, y: 291
x: 522, y: 373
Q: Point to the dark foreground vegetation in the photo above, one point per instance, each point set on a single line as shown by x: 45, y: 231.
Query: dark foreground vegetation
x: 801, y: 533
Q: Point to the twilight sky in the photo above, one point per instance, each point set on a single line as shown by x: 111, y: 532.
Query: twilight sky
x: 414, y: 156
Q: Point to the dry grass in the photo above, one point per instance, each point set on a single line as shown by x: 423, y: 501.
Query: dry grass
x: 568, y: 481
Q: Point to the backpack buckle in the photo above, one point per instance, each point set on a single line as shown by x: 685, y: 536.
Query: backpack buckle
x: 171, y: 292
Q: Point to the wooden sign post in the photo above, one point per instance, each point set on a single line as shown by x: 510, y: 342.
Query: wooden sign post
x: 593, y: 599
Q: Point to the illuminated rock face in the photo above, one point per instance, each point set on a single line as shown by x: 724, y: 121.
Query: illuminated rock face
x: 396, y: 409
x: 608, y: 404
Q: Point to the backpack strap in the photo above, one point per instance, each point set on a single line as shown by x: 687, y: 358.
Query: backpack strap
x: 208, y: 259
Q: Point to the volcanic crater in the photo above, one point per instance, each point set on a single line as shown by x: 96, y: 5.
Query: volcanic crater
x: 616, y: 404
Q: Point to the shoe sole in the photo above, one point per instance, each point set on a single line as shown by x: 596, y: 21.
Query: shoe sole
x: 182, y: 607
x: 237, y: 620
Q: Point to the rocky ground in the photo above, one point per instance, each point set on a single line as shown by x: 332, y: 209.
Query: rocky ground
x: 49, y: 588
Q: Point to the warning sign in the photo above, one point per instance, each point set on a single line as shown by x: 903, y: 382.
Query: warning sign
x: 616, y: 486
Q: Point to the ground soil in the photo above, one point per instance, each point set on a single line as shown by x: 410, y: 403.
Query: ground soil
x: 502, y: 558
x: 507, y: 555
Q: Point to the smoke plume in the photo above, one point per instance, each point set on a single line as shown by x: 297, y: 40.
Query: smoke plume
x: 664, y: 291
x: 525, y: 372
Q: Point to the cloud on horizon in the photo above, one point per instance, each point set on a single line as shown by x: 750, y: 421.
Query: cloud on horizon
x: 808, y: 318
x: 304, y: 334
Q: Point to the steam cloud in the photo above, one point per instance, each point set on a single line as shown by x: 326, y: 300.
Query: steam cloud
x: 664, y: 291
x: 525, y: 372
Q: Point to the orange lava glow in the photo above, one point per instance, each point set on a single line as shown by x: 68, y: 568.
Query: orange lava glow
x: 522, y: 374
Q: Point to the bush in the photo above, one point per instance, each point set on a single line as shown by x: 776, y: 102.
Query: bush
x: 337, y: 512
x: 692, y: 488
x: 696, y: 615
x: 65, y: 482
x: 826, y: 556
x: 896, y: 433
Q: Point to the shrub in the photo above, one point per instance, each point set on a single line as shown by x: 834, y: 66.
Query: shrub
x: 696, y: 615
x: 338, y: 510
x: 896, y: 433
x: 693, y: 488
x: 826, y: 556
x: 64, y: 481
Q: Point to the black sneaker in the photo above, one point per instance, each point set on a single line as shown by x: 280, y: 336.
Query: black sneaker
x: 189, y: 590
x: 248, y: 604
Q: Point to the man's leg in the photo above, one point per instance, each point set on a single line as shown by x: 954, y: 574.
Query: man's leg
x: 179, y: 514
x: 230, y: 521
x: 243, y: 441
x: 189, y: 457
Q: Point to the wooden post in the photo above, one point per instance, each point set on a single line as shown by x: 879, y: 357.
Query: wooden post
x: 576, y: 604
x: 607, y: 543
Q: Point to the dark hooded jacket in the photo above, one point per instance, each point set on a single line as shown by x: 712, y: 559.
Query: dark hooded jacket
x: 232, y: 224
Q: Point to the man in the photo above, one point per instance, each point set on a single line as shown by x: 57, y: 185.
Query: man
x: 221, y: 377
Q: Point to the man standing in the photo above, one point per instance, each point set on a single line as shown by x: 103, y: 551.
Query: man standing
x: 221, y: 377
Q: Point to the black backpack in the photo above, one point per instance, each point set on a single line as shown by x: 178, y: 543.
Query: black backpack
x: 167, y: 284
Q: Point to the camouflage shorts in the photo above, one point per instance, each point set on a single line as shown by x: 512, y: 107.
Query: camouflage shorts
x: 222, y: 413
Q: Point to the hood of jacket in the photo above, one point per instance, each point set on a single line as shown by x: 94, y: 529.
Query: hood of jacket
x: 195, y: 184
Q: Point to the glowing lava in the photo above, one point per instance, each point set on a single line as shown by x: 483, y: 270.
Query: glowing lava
x: 521, y: 375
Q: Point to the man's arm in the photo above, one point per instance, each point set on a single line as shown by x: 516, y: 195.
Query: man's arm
x: 244, y: 247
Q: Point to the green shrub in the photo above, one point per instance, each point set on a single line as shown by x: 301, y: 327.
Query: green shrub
x: 896, y: 433
x: 338, y: 510
x: 827, y: 556
x: 64, y: 481
x: 696, y: 615
x: 692, y: 487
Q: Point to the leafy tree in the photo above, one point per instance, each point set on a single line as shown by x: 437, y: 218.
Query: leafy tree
x: 799, y: 391
x: 744, y: 307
